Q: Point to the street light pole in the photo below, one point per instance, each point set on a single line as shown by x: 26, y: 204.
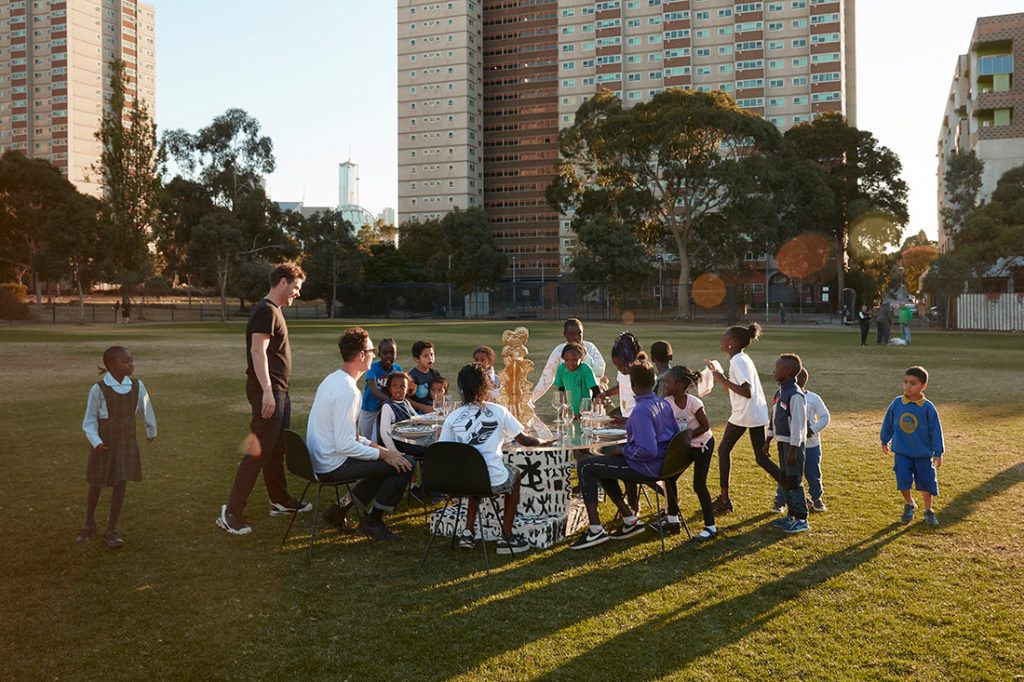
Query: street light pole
x: 514, y: 305
x: 767, y: 313
x: 542, y: 287
x: 449, y: 285
x: 661, y: 288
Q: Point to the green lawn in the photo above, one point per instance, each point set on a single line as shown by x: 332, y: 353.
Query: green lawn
x: 859, y: 597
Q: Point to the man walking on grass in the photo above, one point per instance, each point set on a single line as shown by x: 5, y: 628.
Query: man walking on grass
x: 269, y: 358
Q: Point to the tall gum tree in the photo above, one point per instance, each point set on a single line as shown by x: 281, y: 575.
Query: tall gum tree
x: 688, y: 168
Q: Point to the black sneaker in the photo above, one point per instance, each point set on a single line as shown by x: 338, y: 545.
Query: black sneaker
x: 667, y: 527
x: 817, y: 506
x: 233, y: 522
x: 376, y: 530
x: 466, y: 540
x: 589, y: 539
x: 706, y: 534
x: 627, y: 531
x: 290, y: 507
x: 516, y: 544
x: 721, y: 505
x: 416, y: 493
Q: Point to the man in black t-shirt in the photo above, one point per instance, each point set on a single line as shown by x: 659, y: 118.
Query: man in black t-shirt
x: 269, y: 369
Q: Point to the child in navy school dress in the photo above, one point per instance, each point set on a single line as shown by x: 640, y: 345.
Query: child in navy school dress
x: 109, y: 424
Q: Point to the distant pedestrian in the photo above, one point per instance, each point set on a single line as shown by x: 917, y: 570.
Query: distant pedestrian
x: 126, y: 311
x: 844, y: 315
x: 782, y: 313
x: 864, y: 320
x: 906, y: 315
x: 883, y: 324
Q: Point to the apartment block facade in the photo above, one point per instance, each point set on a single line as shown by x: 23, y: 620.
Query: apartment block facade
x: 985, y: 108
x: 527, y: 65
x: 55, y: 76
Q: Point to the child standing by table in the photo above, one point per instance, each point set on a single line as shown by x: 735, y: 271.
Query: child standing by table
x: 575, y: 378
x: 422, y: 374
x: 690, y: 414
x: 912, y: 425
x: 109, y: 424
x: 749, y: 408
x: 485, y: 356
x: 661, y: 354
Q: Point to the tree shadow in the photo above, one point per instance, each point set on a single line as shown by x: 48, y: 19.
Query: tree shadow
x: 737, y: 617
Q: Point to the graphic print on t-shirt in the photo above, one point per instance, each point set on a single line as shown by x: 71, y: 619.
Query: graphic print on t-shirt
x: 475, y: 428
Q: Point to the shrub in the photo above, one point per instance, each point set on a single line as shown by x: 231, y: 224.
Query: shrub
x: 12, y: 305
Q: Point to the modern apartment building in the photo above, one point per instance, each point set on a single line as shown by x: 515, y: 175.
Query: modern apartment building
x: 985, y: 108
x: 55, y: 76
x: 525, y: 66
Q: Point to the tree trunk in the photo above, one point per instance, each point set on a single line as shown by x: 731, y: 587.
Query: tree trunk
x: 683, y: 286
x: 188, y: 283
x: 222, y: 278
x: 334, y: 284
x: 81, y: 296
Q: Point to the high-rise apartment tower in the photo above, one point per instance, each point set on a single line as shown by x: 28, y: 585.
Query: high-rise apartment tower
x: 55, y: 76
x: 484, y: 88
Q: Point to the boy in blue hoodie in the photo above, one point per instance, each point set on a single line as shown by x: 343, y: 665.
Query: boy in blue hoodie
x: 912, y: 425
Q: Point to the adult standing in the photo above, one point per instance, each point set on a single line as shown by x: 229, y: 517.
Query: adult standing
x: 883, y: 324
x: 782, y: 313
x: 338, y: 453
x: 906, y: 315
x: 572, y: 330
x: 864, y: 320
x: 268, y: 371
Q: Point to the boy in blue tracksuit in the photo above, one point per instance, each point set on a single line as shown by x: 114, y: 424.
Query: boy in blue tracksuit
x: 912, y: 425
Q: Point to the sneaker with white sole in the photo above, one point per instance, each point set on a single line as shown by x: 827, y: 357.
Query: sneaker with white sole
x: 627, y: 531
x: 706, y: 534
x: 781, y: 522
x: 290, y: 507
x: 930, y: 518
x: 798, y: 526
x: 589, y: 539
x: 778, y: 507
x: 516, y: 544
x: 233, y: 523
x: 908, y: 513
x: 466, y: 540
x: 817, y: 506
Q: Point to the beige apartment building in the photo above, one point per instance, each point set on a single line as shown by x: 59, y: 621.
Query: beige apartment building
x: 518, y: 70
x: 54, y: 76
x: 985, y: 108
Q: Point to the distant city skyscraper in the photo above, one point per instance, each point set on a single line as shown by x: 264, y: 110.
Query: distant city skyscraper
x: 348, y: 184
x: 55, y: 76
x: 985, y: 108
x: 484, y: 88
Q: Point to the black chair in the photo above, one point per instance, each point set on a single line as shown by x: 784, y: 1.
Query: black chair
x: 677, y: 459
x: 297, y: 458
x: 456, y: 470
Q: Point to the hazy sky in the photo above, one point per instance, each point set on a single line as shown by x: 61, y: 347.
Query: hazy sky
x: 320, y: 77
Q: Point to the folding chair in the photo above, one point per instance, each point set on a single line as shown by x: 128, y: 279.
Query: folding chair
x: 677, y: 459
x: 456, y: 470
x: 298, y: 461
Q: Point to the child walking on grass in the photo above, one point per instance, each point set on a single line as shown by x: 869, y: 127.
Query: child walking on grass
x: 788, y: 425
x: 911, y: 425
x: 109, y: 424
x: 749, y: 408
x: 817, y: 419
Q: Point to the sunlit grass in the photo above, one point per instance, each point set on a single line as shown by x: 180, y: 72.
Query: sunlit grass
x: 859, y: 597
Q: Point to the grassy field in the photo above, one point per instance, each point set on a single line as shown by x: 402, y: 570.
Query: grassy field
x: 859, y: 597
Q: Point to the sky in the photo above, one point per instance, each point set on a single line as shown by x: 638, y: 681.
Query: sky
x: 320, y: 76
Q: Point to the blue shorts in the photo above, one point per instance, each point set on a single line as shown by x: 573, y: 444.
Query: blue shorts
x: 917, y: 470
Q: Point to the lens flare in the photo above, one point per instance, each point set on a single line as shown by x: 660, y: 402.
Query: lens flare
x: 628, y: 317
x: 708, y: 290
x: 872, y: 233
x: 803, y: 256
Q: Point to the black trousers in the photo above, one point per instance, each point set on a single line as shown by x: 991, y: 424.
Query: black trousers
x: 379, y: 481
x: 729, y: 438
x: 270, y: 458
x: 864, y: 326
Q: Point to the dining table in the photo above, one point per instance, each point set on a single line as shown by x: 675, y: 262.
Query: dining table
x: 549, y: 510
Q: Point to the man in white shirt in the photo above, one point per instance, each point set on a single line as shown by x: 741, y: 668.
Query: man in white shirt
x: 573, y: 331
x: 338, y: 453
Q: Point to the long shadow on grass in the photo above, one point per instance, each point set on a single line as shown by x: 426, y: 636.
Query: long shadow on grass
x: 735, y: 618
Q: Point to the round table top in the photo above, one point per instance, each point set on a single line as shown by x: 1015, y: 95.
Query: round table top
x: 571, y: 437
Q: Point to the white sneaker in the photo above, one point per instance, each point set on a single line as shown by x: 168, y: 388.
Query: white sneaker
x: 234, y: 524
x: 589, y: 539
x: 290, y: 507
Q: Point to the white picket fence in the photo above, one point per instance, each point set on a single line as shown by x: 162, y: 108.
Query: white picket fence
x: 1002, y: 312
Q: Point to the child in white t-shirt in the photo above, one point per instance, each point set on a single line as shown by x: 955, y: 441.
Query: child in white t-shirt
x: 485, y: 426
x: 689, y: 413
x: 749, y: 408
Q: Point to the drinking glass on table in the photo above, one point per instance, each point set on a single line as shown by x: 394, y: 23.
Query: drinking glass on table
x: 439, y: 404
x: 586, y: 413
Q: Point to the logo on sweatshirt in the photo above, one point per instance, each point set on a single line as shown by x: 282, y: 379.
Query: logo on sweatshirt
x: 908, y: 422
